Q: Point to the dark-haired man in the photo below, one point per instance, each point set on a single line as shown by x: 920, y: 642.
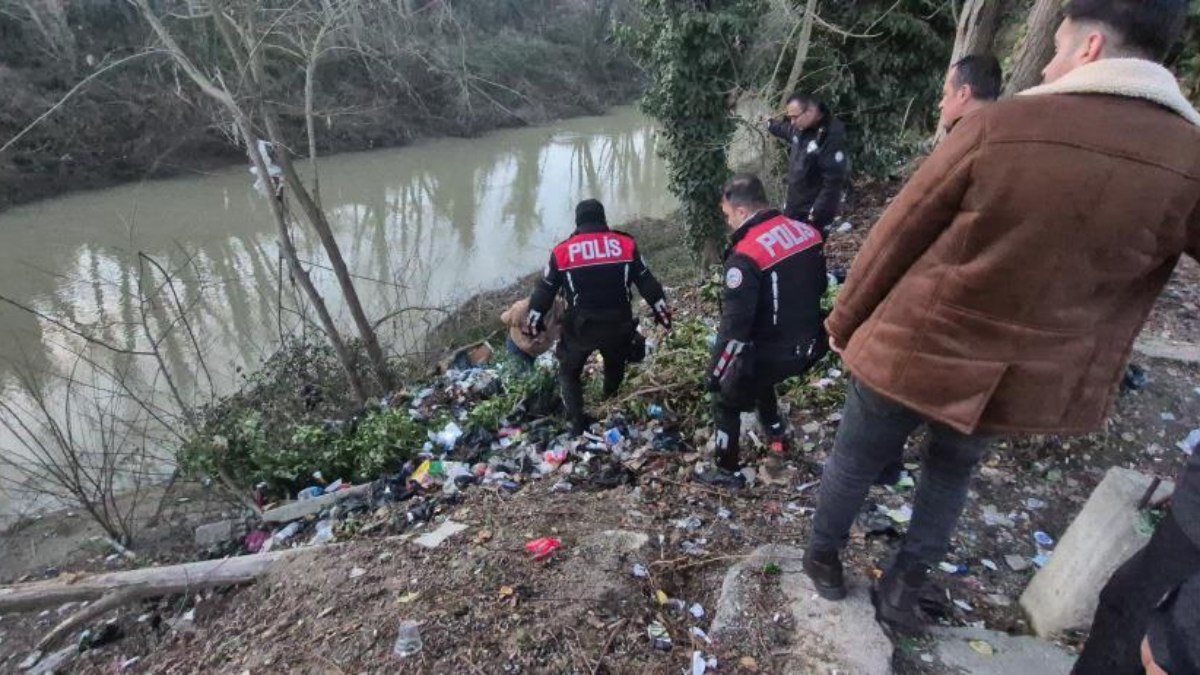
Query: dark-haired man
x: 971, y: 83
x: 770, y: 319
x: 1088, y: 187
x: 595, y: 269
x: 818, y: 165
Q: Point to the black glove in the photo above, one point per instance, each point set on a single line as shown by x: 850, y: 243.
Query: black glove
x: 536, y: 323
x: 662, y: 314
x: 712, y: 383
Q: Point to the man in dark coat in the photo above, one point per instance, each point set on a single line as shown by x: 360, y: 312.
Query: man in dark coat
x: 818, y: 165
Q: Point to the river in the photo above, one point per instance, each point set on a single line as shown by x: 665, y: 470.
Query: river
x: 425, y: 225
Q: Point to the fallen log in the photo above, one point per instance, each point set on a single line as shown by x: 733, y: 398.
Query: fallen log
x: 94, y: 610
x: 145, y: 582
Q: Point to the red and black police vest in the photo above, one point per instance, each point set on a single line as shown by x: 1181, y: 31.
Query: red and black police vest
x: 775, y: 240
x: 592, y: 249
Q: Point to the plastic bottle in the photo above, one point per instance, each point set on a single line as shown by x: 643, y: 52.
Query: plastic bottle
x: 408, y: 640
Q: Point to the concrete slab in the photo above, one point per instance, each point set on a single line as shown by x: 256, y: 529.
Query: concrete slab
x: 1011, y: 654
x: 828, y: 637
x: 1063, y: 595
x: 214, y: 534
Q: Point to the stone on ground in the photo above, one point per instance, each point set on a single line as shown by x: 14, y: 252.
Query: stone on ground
x: 1064, y: 594
x: 215, y: 534
x: 442, y: 533
x: 828, y: 637
x: 1011, y: 655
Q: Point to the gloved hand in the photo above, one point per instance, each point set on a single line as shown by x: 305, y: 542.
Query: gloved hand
x: 536, y: 324
x: 712, y: 384
x: 662, y: 314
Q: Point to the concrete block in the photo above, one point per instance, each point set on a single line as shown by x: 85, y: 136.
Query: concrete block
x: 1011, y: 654
x: 827, y: 637
x: 1064, y: 594
x: 214, y: 534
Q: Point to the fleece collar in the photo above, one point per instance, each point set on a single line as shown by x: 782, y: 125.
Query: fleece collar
x: 1133, y: 78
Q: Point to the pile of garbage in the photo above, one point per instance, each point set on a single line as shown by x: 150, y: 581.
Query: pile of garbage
x: 461, y: 454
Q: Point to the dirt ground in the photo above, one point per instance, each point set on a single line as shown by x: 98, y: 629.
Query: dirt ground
x: 484, y: 606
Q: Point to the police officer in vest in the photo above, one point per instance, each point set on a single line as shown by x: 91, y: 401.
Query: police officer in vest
x: 818, y: 165
x: 595, y: 269
x: 771, y: 320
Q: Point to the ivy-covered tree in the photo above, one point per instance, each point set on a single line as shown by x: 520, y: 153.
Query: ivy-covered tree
x: 692, y: 51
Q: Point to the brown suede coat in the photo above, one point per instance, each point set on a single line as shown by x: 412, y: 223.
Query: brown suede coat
x: 1003, y: 288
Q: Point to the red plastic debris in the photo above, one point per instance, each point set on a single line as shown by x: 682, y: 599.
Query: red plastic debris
x: 255, y: 540
x: 543, y: 548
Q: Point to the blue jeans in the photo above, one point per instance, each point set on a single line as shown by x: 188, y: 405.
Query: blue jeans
x: 523, y: 360
x: 872, y: 435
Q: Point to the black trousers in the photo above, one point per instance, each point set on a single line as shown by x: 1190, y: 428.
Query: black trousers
x: 1114, y: 644
x: 727, y: 413
x: 581, y: 336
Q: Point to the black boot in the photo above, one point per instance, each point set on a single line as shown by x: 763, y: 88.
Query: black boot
x: 897, y: 598
x: 825, y: 570
x: 730, y: 479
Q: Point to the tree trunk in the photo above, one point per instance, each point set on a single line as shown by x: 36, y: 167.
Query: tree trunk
x: 242, y: 121
x: 1036, y: 48
x: 145, y: 582
x: 976, y: 29
x: 810, y: 13
x: 316, y: 218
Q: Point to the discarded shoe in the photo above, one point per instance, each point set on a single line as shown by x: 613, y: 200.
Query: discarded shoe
x: 825, y: 570
x: 723, y: 478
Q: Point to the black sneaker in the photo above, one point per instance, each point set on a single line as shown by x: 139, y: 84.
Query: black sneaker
x: 825, y: 570
x: 723, y: 478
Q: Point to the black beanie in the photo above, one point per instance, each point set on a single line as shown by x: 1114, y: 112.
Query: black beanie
x: 589, y: 212
x: 1174, y: 629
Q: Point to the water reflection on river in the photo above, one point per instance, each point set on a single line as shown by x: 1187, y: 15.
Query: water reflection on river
x: 423, y: 225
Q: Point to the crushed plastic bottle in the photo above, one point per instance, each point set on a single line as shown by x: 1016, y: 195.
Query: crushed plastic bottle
x: 408, y: 640
x: 613, y: 436
x: 309, y: 493
x: 324, y: 533
x: 287, y: 532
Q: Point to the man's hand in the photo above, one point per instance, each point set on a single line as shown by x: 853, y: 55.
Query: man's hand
x: 833, y: 346
x: 712, y: 384
x: 662, y: 314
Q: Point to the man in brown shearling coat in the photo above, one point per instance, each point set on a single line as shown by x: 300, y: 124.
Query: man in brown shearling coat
x: 1001, y: 291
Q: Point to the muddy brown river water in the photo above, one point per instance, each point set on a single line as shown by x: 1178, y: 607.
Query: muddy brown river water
x: 425, y: 225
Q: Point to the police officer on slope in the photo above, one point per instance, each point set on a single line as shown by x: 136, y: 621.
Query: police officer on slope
x: 818, y: 165
x: 771, y: 320
x: 595, y: 270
